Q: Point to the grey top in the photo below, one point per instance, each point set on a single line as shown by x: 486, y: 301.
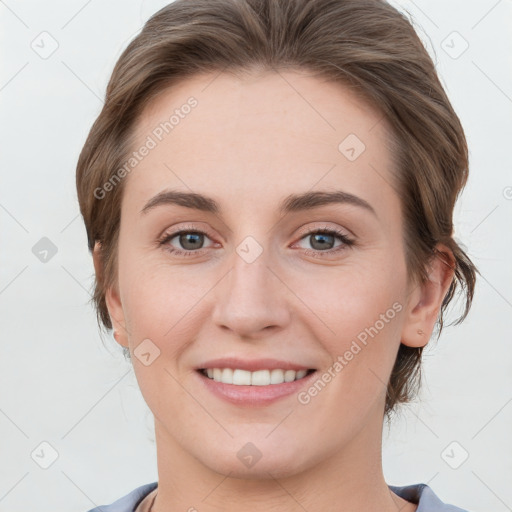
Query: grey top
x: 420, y: 494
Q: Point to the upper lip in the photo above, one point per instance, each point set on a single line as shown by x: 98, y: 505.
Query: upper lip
x: 252, y: 365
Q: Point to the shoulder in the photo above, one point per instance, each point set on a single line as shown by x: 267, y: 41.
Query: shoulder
x: 424, y: 497
x: 420, y: 494
x: 129, y: 502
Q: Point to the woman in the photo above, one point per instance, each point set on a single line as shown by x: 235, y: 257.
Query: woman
x: 268, y: 196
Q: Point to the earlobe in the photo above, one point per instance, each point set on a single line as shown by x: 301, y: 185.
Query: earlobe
x: 427, y: 298
x: 112, y: 300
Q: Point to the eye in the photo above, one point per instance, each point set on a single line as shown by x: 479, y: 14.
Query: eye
x: 323, y: 240
x: 190, y: 240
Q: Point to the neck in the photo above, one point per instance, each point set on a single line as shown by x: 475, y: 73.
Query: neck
x: 352, y: 478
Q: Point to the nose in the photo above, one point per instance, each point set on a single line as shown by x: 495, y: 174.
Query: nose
x: 251, y: 298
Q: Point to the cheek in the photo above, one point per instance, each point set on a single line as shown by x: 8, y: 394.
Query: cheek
x: 350, y: 295
x: 357, y: 317
x: 160, y: 300
x: 354, y: 305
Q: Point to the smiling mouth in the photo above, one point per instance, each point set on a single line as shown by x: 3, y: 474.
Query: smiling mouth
x: 239, y: 377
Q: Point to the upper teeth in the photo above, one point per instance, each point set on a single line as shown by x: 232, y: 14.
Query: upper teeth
x: 257, y: 378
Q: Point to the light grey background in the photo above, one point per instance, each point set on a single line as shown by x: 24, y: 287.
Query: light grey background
x: 59, y: 384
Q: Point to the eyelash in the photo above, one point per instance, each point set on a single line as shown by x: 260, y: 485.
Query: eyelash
x: 347, y: 242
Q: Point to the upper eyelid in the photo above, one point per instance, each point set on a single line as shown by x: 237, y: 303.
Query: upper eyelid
x: 337, y: 232
x: 314, y: 229
x: 301, y: 229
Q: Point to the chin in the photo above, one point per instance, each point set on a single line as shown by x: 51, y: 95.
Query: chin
x: 256, y: 459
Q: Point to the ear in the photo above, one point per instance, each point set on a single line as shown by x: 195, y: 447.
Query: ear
x: 112, y: 300
x: 426, y: 299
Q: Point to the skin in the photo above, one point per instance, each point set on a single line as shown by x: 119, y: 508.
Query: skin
x: 249, y: 143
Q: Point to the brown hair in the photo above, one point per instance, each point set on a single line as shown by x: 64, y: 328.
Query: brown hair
x: 366, y: 45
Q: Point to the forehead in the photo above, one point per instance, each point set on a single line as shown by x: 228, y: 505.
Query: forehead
x: 261, y: 136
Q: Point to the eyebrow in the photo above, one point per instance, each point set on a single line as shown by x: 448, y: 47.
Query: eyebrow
x: 292, y: 203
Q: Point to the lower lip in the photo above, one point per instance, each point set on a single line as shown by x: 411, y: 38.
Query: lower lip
x: 254, y: 395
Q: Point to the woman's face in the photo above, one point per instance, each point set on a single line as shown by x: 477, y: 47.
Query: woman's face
x: 261, y: 281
